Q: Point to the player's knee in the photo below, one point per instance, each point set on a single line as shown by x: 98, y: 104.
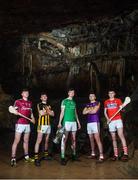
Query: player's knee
x: 64, y: 141
x: 16, y: 140
x: 96, y: 137
x: 39, y: 140
x: 47, y: 141
x: 122, y: 137
x: 25, y: 141
x: 47, y: 138
x: 73, y: 140
x: 113, y: 138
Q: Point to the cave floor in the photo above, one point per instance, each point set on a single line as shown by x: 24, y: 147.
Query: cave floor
x: 83, y: 169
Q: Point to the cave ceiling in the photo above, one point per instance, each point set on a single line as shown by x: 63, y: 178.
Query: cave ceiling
x: 28, y: 16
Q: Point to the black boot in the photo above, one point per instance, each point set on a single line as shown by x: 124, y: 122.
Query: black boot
x: 37, y: 162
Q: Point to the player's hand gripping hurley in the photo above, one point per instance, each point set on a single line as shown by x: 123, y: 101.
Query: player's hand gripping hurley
x: 127, y: 101
x: 13, y: 110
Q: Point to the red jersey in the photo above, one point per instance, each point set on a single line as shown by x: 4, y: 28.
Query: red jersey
x: 112, y: 106
x: 25, y: 108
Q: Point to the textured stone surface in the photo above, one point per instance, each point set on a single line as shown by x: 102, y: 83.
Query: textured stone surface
x: 96, y: 53
x: 6, y: 119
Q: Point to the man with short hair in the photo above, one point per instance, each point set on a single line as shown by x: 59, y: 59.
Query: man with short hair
x: 23, y: 106
x: 44, y: 127
x: 70, y: 120
x: 111, y: 106
x: 93, y: 125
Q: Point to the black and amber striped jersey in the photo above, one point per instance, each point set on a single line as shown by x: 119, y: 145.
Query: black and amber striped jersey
x: 43, y: 119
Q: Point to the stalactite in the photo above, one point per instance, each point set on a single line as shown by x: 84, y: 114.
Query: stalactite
x: 126, y: 41
x: 74, y: 70
x: 118, y: 45
x: 30, y: 64
x: 94, y: 72
x: 118, y: 71
x: 116, y: 67
x: 39, y: 44
x: 91, y: 76
x: 23, y: 57
x: 132, y: 46
x: 113, y: 67
x: 105, y: 66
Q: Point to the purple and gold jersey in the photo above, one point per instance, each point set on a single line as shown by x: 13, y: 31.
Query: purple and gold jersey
x: 92, y: 117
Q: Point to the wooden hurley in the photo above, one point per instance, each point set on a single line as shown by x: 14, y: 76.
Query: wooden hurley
x: 13, y: 110
x: 127, y: 101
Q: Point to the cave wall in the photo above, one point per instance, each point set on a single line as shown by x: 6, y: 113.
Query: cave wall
x: 89, y: 55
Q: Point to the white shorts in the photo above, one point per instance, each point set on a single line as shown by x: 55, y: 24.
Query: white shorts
x: 114, y: 125
x: 93, y: 127
x: 22, y: 128
x: 71, y: 126
x: 45, y: 129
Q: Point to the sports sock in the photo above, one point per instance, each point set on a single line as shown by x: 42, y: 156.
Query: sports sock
x: 74, y: 152
x: 36, y: 156
x: 62, y: 155
x: 26, y: 156
x: 101, y: 156
x: 125, y: 149
x: 13, y: 157
x: 116, y: 151
x: 46, y: 153
x: 92, y: 153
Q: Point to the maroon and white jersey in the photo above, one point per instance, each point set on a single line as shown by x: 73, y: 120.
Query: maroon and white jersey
x: 25, y: 108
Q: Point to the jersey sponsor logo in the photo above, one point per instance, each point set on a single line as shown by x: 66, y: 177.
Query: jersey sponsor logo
x: 112, y: 106
x: 26, y: 104
x: 25, y: 108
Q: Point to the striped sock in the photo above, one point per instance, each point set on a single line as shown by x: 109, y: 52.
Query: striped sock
x: 36, y: 156
x: 46, y: 153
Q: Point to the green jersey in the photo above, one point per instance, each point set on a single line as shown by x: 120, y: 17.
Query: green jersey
x: 69, y: 106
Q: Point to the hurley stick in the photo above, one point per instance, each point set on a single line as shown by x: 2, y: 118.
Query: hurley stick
x: 14, y: 111
x: 126, y: 101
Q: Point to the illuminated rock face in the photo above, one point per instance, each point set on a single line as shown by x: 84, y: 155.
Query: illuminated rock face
x: 88, y: 55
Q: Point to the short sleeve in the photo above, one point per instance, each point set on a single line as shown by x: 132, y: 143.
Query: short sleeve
x: 105, y: 104
x: 17, y: 104
x: 86, y: 105
x: 63, y: 104
x: 119, y: 102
